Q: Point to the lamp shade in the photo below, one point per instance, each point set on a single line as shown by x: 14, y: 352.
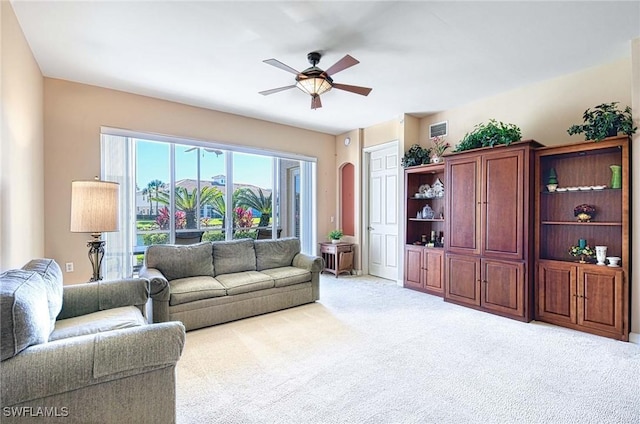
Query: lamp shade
x: 314, y: 85
x: 94, y: 206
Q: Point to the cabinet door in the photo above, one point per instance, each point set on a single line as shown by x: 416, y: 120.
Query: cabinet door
x: 601, y: 299
x: 433, y: 271
x: 463, y: 205
x: 463, y: 279
x: 502, y: 287
x: 502, y: 194
x: 556, y: 292
x: 413, y: 267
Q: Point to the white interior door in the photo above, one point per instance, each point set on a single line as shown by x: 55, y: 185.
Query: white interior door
x: 383, y: 213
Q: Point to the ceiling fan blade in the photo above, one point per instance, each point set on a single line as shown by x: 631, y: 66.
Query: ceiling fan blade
x: 276, y: 90
x: 315, y: 102
x: 278, y: 64
x: 341, y: 65
x: 363, y: 91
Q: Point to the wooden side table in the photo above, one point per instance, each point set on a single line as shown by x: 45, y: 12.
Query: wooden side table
x: 338, y: 257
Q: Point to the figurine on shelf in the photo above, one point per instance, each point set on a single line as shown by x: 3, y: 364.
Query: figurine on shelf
x: 427, y: 212
x: 584, y: 212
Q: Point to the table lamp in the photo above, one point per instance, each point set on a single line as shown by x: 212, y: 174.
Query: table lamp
x: 94, y: 209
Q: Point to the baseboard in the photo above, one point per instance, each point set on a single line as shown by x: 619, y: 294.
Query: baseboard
x: 634, y: 338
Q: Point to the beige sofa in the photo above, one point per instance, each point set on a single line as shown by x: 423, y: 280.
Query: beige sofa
x: 83, y: 353
x: 211, y: 283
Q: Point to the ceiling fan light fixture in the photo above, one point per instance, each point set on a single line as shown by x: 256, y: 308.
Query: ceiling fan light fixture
x: 314, y: 86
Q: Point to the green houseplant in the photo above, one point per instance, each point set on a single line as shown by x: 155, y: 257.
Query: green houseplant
x: 335, y: 236
x: 416, y: 155
x: 489, y: 135
x: 603, y: 121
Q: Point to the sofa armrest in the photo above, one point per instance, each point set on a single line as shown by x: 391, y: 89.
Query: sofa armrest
x: 87, y: 298
x: 158, y: 283
x: 70, y: 364
x: 310, y: 263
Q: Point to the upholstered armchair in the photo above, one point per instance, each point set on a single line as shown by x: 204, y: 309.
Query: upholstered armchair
x: 83, y: 353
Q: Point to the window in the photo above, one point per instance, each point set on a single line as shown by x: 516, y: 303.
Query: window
x: 177, y: 191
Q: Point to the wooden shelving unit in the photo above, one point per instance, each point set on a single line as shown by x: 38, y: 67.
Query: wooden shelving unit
x: 585, y: 297
x: 423, y: 265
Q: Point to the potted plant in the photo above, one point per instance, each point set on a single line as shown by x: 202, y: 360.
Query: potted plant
x: 335, y: 236
x: 489, y: 135
x: 439, y: 147
x: 416, y: 155
x: 584, y: 253
x: 603, y: 121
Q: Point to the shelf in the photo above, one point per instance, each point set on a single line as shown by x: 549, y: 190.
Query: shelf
x: 604, y: 190
x: 425, y: 198
x: 427, y: 220
x: 593, y: 224
x: 578, y: 263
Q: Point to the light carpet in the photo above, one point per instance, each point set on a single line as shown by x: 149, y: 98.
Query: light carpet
x: 372, y: 352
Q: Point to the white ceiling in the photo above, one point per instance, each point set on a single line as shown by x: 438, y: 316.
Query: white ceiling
x: 419, y: 57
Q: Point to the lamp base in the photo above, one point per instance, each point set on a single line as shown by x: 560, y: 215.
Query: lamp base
x: 96, y: 253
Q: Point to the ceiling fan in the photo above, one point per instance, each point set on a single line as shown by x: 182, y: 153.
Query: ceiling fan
x: 314, y: 81
x: 206, y: 149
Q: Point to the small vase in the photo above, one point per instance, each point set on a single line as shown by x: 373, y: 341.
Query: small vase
x: 616, y: 176
x: 601, y: 254
x: 436, y: 159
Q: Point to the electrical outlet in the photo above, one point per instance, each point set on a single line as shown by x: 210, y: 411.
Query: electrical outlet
x: 332, y: 219
x: 69, y: 266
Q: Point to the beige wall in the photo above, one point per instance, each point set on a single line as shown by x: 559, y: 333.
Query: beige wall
x: 545, y: 110
x: 635, y: 196
x: 350, y: 154
x: 74, y: 113
x: 21, y: 148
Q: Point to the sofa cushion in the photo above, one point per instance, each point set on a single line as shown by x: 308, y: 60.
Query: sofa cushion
x: 244, y: 282
x: 51, y: 275
x: 234, y: 256
x: 276, y: 253
x: 98, y: 322
x: 190, y: 289
x: 24, y: 311
x: 181, y: 261
x: 288, y: 275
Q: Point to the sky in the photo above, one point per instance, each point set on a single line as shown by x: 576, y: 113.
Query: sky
x: 152, y: 163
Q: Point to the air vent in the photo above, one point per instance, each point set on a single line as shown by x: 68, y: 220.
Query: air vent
x: 441, y: 129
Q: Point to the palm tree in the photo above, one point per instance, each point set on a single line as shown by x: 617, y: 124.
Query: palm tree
x: 155, y: 186
x: 260, y: 202
x: 188, y: 201
x: 218, y: 204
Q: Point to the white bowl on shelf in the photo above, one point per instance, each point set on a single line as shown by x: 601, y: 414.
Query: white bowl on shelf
x: 585, y: 188
x: 561, y: 189
x: 613, y: 260
x: 573, y: 188
x: 598, y: 187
